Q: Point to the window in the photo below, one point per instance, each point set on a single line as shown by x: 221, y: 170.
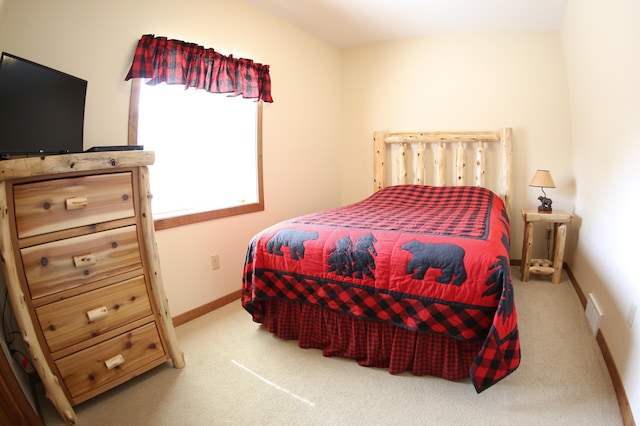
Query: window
x: 208, y: 152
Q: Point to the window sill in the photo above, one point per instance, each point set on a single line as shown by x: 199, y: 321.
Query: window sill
x: 176, y: 221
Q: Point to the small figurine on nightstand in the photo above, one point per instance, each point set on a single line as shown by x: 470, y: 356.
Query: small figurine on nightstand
x: 545, y: 204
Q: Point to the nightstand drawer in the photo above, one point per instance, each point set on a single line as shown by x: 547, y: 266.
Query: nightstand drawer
x: 88, y: 370
x: 53, y: 205
x: 92, y: 314
x: 65, y: 264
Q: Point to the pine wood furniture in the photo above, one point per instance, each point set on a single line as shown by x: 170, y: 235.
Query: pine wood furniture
x: 82, y: 271
x: 343, y: 280
x: 406, y: 157
x: 552, y: 266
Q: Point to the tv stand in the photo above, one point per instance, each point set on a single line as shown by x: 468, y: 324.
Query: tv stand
x: 82, y: 271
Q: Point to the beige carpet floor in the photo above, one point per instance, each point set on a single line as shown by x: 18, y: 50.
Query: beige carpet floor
x: 239, y: 374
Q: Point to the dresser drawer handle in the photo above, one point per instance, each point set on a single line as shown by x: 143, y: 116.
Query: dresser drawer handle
x: 112, y: 363
x: 84, y: 260
x: 98, y: 313
x: 76, y: 203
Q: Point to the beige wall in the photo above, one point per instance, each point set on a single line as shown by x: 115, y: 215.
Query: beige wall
x: 95, y: 40
x: 464, y: 82
x: 602, y: 49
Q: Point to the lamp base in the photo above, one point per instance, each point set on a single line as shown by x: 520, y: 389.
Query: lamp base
x: 545, y: 204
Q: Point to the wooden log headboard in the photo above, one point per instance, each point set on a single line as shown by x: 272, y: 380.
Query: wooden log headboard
x: 435, y: 146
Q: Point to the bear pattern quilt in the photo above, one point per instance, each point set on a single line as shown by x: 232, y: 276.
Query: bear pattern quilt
x: 425, y: 258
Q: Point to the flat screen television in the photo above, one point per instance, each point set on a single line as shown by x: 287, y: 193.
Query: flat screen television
x: 41, y: 109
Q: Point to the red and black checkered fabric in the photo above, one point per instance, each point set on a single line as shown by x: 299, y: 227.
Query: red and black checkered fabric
x: 177, y: 62
x: 426, y: 259
x: 371, y: 344
x: 464, y: 322
x: 461, y: 212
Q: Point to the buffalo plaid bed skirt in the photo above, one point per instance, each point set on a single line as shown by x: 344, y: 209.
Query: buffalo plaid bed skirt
x: 370, y: 343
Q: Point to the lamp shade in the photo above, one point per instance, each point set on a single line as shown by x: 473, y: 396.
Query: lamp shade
x: 542, y: 179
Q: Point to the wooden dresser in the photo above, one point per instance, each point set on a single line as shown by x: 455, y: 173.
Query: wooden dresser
x: 82, y: 270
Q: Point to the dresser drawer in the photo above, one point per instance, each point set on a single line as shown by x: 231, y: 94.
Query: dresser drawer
x: 57, y: 204
x: 92, y: 314
x: 87, y: 370
x: 65, y: 264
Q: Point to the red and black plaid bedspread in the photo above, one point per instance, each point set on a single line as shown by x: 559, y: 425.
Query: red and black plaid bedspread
x: 429, y: 259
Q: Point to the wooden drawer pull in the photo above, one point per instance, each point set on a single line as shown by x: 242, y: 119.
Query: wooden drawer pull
x: 98, y: 313
x: 112, y: 363
x: 76, y: 203
x: 84, y: 260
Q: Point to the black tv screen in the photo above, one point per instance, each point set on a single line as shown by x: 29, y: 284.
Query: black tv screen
x: 41, y: 109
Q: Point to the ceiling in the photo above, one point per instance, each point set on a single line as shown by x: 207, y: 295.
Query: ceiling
x: 351, y: 23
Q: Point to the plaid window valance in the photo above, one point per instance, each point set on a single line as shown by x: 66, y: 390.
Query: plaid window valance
x: 177, y: 62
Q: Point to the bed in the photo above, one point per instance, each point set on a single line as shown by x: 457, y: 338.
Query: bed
x: 415, y: 277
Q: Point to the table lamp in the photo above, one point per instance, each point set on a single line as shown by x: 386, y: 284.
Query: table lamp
x: 543, y: 179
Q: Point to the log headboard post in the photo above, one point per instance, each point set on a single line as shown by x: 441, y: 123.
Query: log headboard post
x: 379, y: 156
x: 467, y: 144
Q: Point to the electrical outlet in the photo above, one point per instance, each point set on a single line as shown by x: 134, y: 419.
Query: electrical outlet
x: 215, y: 261
x: 632, y: 314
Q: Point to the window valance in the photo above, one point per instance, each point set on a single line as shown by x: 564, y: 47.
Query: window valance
x: 177, y: 62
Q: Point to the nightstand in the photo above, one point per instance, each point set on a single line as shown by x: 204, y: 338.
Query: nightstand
x: 552, y: 266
